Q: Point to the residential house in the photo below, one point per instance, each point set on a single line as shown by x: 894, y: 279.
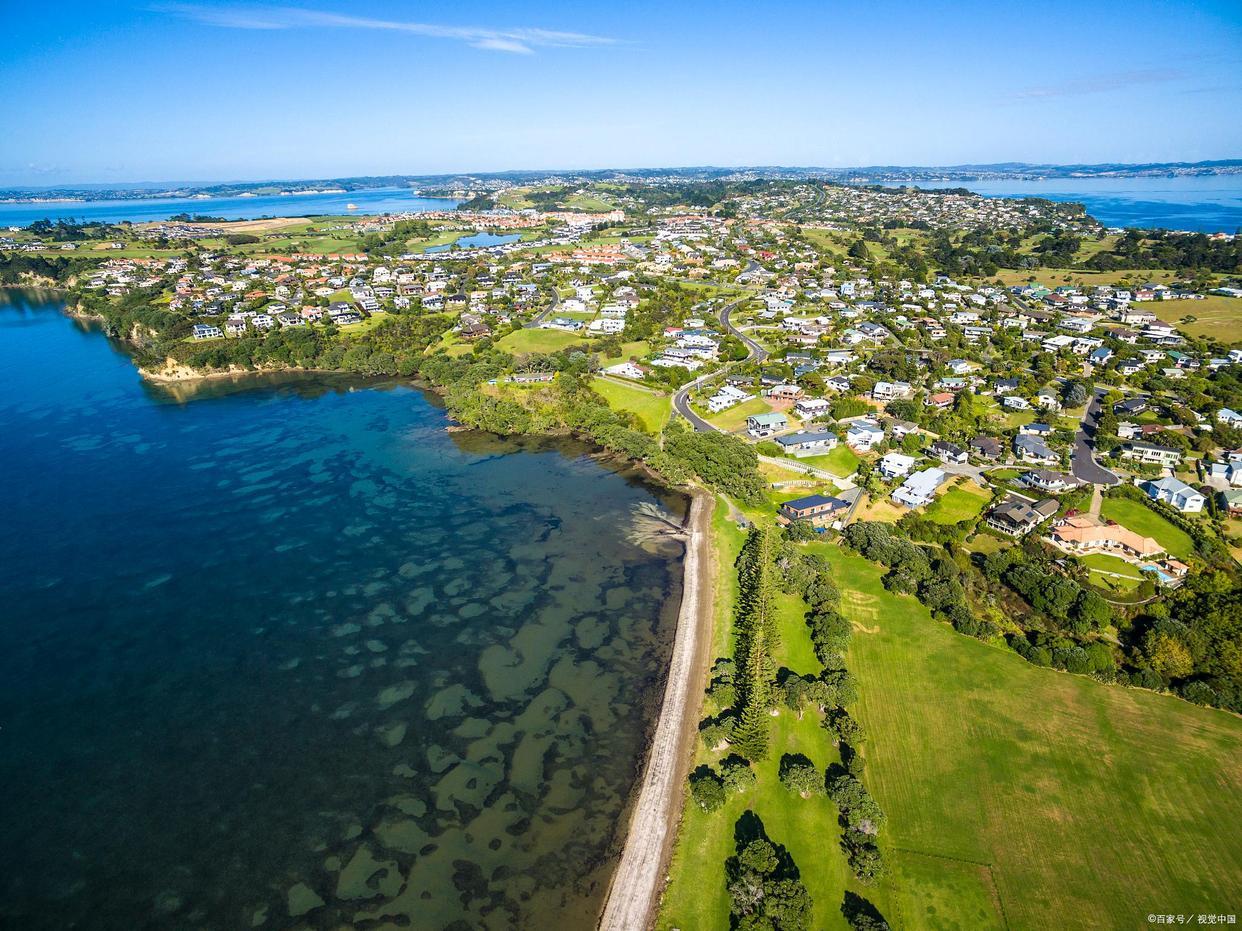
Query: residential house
x: 1151, y: 454
x: 626, y: 370
x: 1032, y: 449
x: 891, y: 390
x: 920, y: 488
x: 815, y: 509
x: 761, y: 425
x: 725, y: 398
x: 863, y: 434
x: 1049, y: 482
x: 894, y: 465
x: 808, y: 443
x: 948, y: 452
x: 986, y: 447
x: 811, y: 408
x: 1082, y: 533
x: 1175, y: 492
x: 1018, y: 516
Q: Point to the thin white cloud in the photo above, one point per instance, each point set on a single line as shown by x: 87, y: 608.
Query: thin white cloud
x: 1100, y: 83
x: 517, y: 40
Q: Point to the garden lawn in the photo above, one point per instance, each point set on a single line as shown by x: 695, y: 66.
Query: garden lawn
x: 1138, y: 517
x: 735, y: 417
x: 840, y: 461
x: 961, y: 502
x: 651, y: 407
x: 1028, y: 797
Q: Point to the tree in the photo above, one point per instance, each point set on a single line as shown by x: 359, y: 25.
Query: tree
x: 798, y: 774
x: 707, y: 789
x: 861, y: 914
x: 736, y: 773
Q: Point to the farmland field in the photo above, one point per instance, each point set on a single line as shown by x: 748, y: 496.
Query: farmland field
x: 1031, y: 798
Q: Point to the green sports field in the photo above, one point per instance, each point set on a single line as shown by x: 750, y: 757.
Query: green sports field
x: 1028, y: 798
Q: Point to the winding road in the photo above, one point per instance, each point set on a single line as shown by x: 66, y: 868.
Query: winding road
x: 537, y: 320
x: 754, y: 353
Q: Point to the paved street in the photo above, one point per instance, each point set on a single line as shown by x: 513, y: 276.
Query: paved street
x: 756, y: 353
x: 1082, y: 460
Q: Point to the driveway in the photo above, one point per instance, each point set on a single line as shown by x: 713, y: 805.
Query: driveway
x: 1082, y: 459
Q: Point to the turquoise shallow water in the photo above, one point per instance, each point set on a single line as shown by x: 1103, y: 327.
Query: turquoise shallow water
x: 291, y: 655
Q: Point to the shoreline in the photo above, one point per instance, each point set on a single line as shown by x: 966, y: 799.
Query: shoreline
x: 634, y: 891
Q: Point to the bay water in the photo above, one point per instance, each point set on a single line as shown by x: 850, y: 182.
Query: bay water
x: 285, y: 652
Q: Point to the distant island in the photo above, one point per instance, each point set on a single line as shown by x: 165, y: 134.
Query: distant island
x: 433, y: 185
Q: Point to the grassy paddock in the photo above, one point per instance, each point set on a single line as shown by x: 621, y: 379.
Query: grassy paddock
x: 651, y: 407
x: 537, y: 341
x: 1082, y: 805
x: 695, y: 896
x: 1215, y: 316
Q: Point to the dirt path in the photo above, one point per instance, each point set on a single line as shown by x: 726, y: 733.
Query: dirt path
x: 636, y: 884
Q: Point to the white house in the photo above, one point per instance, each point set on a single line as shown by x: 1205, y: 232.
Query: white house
x: 919, y: 488
x: 863, y: 434
x: 625, y: 370
x: 1175, y: 492
x: 725, y: 398
x: 894, y: 465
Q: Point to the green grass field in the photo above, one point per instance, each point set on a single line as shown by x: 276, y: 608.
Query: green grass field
x: 1215, y: 316
x: 638, y: 349
x: 1136, y: 516
x: 959, y: 503
x: 537, y: 341
x: 653, y: 408
x: 696, y: 896
x: 1024, y: 797
x: 840, y: 461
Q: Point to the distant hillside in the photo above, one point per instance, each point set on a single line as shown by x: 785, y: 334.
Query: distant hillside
x: 999, y: 170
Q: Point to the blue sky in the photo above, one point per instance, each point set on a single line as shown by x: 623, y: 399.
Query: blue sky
x: 158, y: 91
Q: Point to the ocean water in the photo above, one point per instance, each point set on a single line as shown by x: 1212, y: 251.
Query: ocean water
x: 379, y: 200
x: 1201, y: 204
x: 285, y: 653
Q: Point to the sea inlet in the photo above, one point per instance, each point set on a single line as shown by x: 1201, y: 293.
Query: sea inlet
x: 290, y: 654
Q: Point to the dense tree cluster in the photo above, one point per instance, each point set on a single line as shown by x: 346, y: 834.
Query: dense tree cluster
x: 765, y: 887
x: 1160, y: 249
x: 933, y: 577
x: 1072, y: 607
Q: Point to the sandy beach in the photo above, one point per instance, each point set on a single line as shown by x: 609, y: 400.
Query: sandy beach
x: 639, y: 877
